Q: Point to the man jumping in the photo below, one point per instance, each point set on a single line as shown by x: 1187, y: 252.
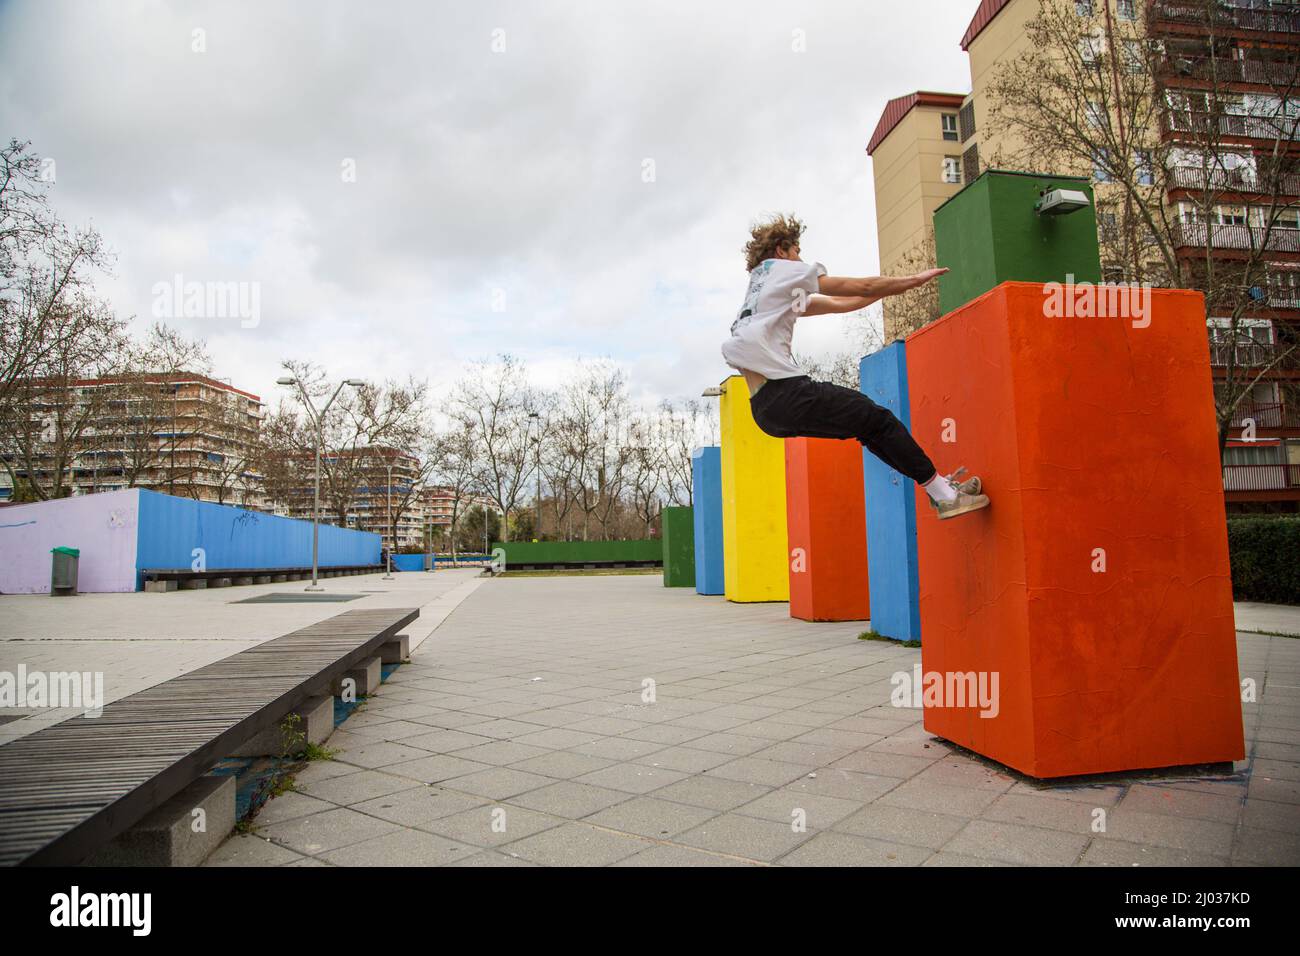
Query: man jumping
x: 787, y: 403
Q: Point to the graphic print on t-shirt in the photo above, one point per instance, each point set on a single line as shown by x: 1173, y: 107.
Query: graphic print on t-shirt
x: 756, y: 280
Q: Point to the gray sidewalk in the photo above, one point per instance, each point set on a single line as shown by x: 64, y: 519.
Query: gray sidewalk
x: 518, y: 735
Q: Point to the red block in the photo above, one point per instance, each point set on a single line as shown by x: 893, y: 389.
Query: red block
x: 1096, y: 585
x: 827, y: 526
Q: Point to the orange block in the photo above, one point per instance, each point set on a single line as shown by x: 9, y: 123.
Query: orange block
x: 827, y: 525
x: 1096, y: 587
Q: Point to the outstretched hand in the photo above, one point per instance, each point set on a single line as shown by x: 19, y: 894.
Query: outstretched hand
x: 921, y: 278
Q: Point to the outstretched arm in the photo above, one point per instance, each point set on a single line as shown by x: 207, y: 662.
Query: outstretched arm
x: 875, y: 287
x: 832, y: 304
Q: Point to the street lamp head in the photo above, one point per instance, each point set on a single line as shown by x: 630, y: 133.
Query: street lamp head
x: 286, y: 380
x: 711, y: 392
x: 355, y: 382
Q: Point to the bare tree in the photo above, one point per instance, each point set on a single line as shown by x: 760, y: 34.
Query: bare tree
x: 1152, y: 109
x: 492, y: 402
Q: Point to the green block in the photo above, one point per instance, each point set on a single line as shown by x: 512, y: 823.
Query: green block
x: 990, y: 233
x: 679, y: 547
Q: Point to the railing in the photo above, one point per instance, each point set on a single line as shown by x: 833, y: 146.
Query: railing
x: 1214, y: 125
x: 1244, y: 180
x: 1238, y: 16
x: 1265, y: 415
x: 1233, y: 236
x: 1259, y: 71
x: 1241, y: 355
x: 1261, y: 477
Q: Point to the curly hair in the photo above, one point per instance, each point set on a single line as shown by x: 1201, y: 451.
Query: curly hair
x: 777, y: 232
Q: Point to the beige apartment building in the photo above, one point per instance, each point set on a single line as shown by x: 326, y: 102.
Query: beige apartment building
x: 927, y: 146
x: 183, y: 434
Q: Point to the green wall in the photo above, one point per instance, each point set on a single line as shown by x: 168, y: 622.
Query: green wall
x: 679, y: 547
x: 989, y: 233
x: 580, y: 552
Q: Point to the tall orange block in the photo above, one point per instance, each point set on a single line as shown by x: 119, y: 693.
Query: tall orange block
x: 826, y: 517
x: 1096, y: 586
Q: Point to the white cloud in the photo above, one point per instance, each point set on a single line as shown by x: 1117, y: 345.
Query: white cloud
x: 475, y: 171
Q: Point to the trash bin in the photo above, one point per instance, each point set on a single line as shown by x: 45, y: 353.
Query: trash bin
x: 63, y: 574
x: 428, y: 561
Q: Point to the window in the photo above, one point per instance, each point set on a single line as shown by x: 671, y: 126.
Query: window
x: 1134, y: 61
x: 1083, y: 7
x: 1090, y: 50
x: 1096, y: 113
x: 951, y: 169
x: 1230, y: 215
x: 1142, y: 168
x: 949, y: 121
x: 1126, y: 9
x: 966, y: 120
x: 1288, y: 218
x: 1101, y: 166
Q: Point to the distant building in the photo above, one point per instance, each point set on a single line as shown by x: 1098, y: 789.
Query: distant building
x: 184, y: 434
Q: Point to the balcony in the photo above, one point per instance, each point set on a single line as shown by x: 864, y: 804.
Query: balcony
x: 1242, y: 355
x: 1261, y: 477
x: 1227, y: 16
x: 1231, y: 236
x: 1211, y: 127
x: 1242, y: 180
x: 1265, y: 415
x: 1279, y: 74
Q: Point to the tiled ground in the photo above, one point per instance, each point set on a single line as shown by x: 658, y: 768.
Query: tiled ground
x: 518, y: 735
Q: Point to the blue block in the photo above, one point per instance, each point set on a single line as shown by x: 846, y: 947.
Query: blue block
x: 891, y: 508
x: 706, y: 471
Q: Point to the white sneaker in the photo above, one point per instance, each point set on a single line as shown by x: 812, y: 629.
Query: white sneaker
x: 969, y: 496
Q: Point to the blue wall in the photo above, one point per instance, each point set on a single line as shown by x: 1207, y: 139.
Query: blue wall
x: 891, y: 508
x: 410, y: 562
x: 170, y: 528
x: 706, y: 471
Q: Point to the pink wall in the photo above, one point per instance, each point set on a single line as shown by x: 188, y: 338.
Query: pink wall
x: 102, y: 526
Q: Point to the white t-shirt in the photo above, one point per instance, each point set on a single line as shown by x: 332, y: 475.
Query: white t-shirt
x: 777, y: 296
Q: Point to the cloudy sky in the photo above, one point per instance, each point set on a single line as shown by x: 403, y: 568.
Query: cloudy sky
x: 410, y: 187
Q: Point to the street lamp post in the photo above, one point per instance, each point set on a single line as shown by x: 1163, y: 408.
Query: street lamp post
x: 392, y: 537
x: 318, y: 420
x: 537, y: 441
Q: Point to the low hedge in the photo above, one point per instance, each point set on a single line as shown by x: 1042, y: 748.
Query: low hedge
x: 1265, y: 555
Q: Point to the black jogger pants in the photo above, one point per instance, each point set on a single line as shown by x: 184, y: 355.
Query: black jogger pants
x: 799, y: 407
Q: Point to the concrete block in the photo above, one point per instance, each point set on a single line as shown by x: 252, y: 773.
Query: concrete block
x: 220, y: 583
x: 396, y: 650
x: 177, y: 833
x: 160, y: 587
x: 315, y: 724
x: 196, y: 584
x: 754, y: 539
x: 706, y: 469
x: 366, y: 674
x: 279, y: 578
x: 261, y: 579
x: 239, y: 582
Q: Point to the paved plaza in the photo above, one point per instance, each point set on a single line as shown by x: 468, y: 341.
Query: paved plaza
x: 523, y: 732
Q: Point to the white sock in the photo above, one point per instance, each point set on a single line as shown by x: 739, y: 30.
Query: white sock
x: 939, y: 490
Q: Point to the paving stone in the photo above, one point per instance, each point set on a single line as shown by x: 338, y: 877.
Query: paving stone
x: 492, y: 824
x: 500, y: 753
x: 445, y: 741
x: 716, y: 793
x: 1203, y: 836
x: 958, y: 859
x: 1104, y: 851
x: 419, y: 805
x: 685, y: 759
x: 618, y: 748
x: 402, y: 848
x: 1022, y: 845
x: 575, y: 844
x: 498, y: 783
x: 651, y: 817
x: 666, y: 855
x: 374, y: 754
x: 1149, y: 798
x: 819, y: 812
x: 571, y: 799
x: 900, y: 825
x: 562, y: 764
x: 557, y: 738
x: 744, y: 837
x: 842, y: 849
x: 436, y: 768
x: 957, y: 801
x: 1266, y: 847
x: 1072, y: 816
x: 770, y: 773
x: 493, y: 859
x: 1262, y: 815
x: 246, y: 849
x: 734, y: 744
x: 321, y: 832
x: 288, y: 806
x: 354, y: 787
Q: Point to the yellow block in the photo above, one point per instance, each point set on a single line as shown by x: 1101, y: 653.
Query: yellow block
x: 754, y: 539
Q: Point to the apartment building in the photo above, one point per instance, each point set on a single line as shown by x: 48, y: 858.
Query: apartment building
x: 383, y: 486
x: 181, y: 433
x: 1223, y: 74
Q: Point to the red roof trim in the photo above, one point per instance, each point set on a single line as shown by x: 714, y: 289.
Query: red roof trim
x: 988, y: 9
x: 899, y: 107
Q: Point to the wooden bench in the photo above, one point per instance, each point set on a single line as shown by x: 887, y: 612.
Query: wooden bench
x: 68, y: 789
